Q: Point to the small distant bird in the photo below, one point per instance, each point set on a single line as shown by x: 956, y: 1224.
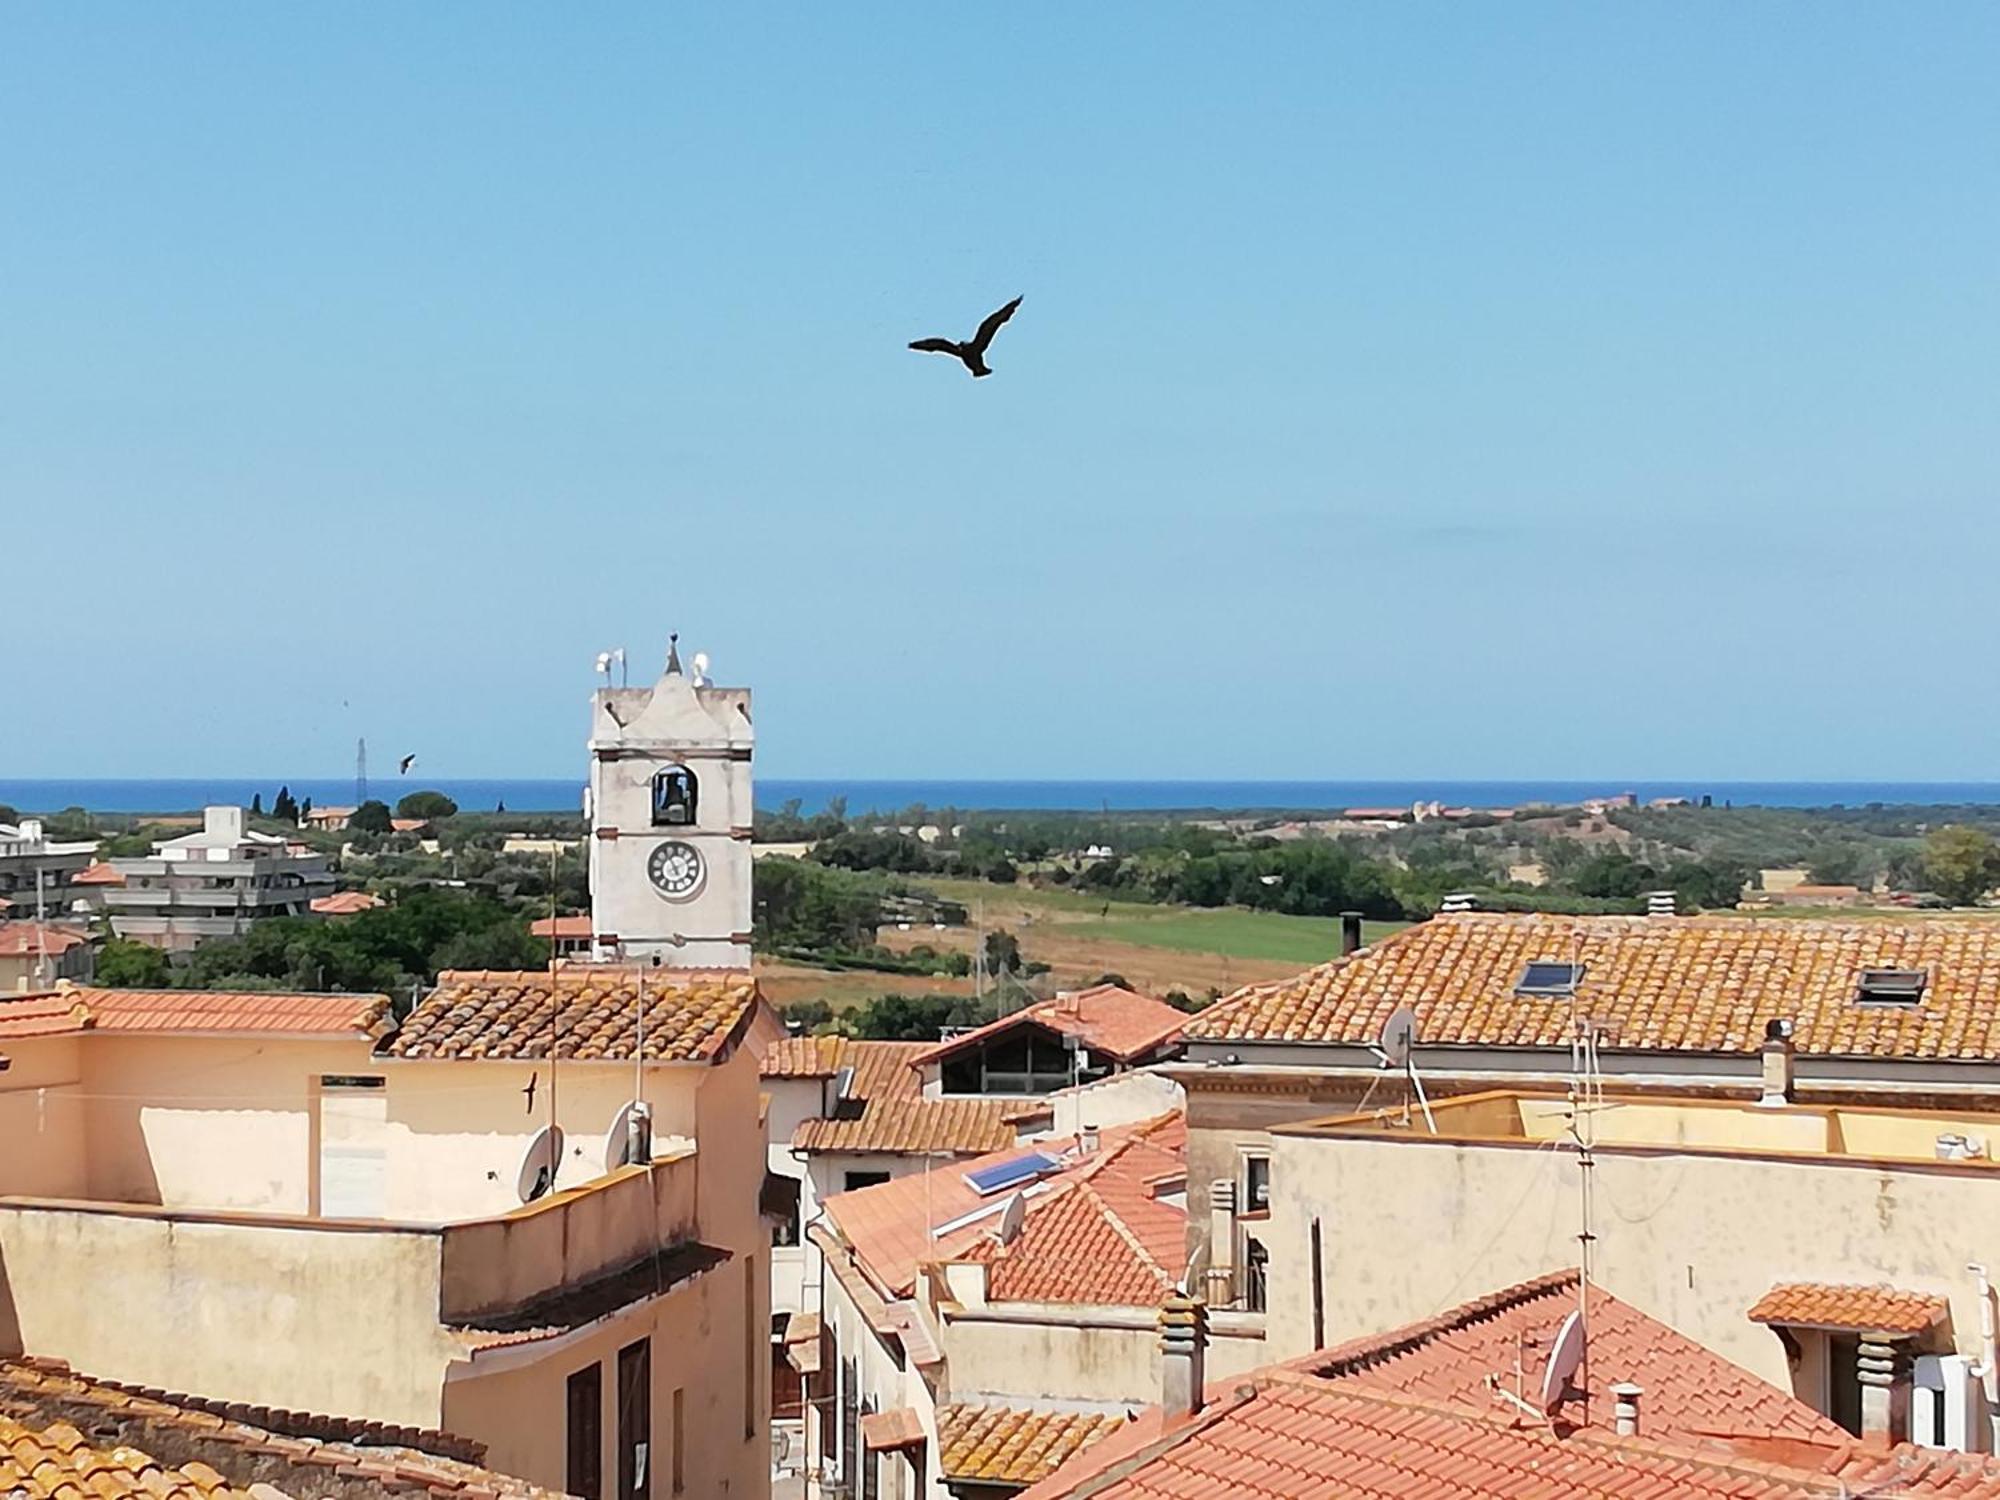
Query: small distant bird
x: 403, y: 766
x: 973, y: 352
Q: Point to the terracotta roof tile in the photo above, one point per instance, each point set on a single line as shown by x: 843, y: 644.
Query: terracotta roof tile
x: 1701, y: 984
x: 44, y: 1408
x: 1279, y: 1438
x: 99, y: 873
x: 1690, y: 1391
x: 890, y: 1227
x: 1861, y: 1309
x: 1011, y: 1444
x: 560, y: 927
x: 1075, y: 1246
x: 899, y: 1427
x: 345, y: 903
x: 885, y: 1108
x: 77, y: 1008
x: 27, y: 939
x: 1106, y: 1018
x: 692, y: 1015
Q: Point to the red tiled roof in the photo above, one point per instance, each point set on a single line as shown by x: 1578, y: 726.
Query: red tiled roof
x: 1860, y: 1309
x: 27, y: 939
x: 79, y: 1008
x: 1282, y: 1436
x: 899, y: 1427
x: 1106, y: 1018
x: 692, y: 1015
x: 1686, y: 984
x: 885, y: 1109
x: 560, y: 927
x: 226, y: 1450
x: 1011, y: 1444
x: 345, y: 903
x: 99, y: 873
x: 890, y: 1226
x: 1690, y: 1392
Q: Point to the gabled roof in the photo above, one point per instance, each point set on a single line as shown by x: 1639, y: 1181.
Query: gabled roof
x: 1096, y: 1240
x: 1012, y: 1444
x: 1676, y: 984
x: 345, y: 903
x: 227, y: 1449
x: 28, y: 939
x: 890, y: 1227
x: 1106, y: 1018
x: 885, y: 1108
x: 1855, y: 1309
x: 589, y: 1012
x: 577, y: 928
x: 1690, y: 1391
x: 89, y: 1008
x: 98, y: 873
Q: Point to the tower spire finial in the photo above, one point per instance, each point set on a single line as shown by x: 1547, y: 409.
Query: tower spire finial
x: 674, y: 654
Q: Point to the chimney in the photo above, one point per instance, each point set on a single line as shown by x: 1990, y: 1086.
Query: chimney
x: 1350, y: 932
x: 1088, y: 1139
x: 1777, y: 1064
x: 1659, y: 903
x: 1222, y: 1242
x: 225, y: 821
x: 1625, y: 1409
x: 1884, y: 1370
x: 1458, y: 901
x: 1183, y: 1356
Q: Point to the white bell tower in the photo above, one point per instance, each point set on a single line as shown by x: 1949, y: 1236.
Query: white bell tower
x: 669, y: 813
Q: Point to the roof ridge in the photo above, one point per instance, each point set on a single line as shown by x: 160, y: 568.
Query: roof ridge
x: 1126, y: 1233
x: 1370, y: 1349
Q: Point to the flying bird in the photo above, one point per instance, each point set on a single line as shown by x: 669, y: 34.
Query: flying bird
x: 403, y: 766
x: 973, y: 352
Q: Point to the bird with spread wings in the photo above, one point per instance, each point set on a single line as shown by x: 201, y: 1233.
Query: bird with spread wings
x: 971, y: 353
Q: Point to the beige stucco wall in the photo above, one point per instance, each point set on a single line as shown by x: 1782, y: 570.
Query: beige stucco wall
x: 518, y: 1410
x: 1413, y: 1225
x: 296, y: 1315
x: 42, y: 1125
x: 1079, y: 1354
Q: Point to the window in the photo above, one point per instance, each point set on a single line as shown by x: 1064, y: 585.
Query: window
x: 1256, y: 1274
x: 780, y: 1205
x: 754, y: 1336
x: 848, y: 1451
x: 635, y: 1419
x: 869, y: 1461
x: 680, y: 1441
x: 1256, y: 1184
x: 586, y: 1433
x: 675, y: 796
x: 1542, y: 977
x: 1843, y: 1381
x: 853, y: 1180
x: 1898, y: 987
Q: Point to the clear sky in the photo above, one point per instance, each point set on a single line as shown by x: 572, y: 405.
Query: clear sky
x: 1493, y: 390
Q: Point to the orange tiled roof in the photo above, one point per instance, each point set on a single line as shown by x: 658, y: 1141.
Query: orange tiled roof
x: 1690, y: 1391
x: 227, y: 1448
x: 98, y: 873
x: 889, y: 1226
x: 1702, y: 984
x: 78, y: 1008
x: 1860, y: 1309
x: 577, y: 928
x: 1011, y: 1444
x: 27, y: 939
x: 899, y: 1427
x: 886, y: 1110
x: 692, y: 1015
x: 1106, y: 1018
x: 1280, y: 1435
x: 345, y: 903
x: 1097, y: 1240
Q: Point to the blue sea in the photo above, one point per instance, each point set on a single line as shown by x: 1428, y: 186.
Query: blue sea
x: 529, y: 794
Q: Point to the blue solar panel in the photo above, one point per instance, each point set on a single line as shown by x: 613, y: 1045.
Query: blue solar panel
x: 1542, y: 977
x: 1010, y: 1173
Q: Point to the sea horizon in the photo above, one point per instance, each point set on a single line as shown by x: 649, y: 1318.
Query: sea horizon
x: 179, y: 795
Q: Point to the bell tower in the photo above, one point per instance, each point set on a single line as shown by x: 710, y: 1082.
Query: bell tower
x: 669, y: 812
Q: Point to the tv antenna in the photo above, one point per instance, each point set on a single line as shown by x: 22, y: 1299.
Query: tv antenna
x: 1396, y: 1047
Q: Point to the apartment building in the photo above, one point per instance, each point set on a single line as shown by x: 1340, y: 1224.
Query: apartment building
x: 208, y: 884
x: 36, y: 871
x: 526, y: 1220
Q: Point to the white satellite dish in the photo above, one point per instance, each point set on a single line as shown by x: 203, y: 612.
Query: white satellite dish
x: 1565, y: 1355
x: 539, y: 1163
x: 618, y: 1143
x: 1012, y: 1217
x: 1398, y: 1038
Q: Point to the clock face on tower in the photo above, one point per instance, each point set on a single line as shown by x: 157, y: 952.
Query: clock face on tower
x: 675, y: 869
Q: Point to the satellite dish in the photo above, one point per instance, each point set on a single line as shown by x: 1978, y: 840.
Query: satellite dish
x: 539, y: 1163
x: 618, y: 1142
x: 1564, y: 1357
x: 1012, y: 1217
x: 1398, y: 1038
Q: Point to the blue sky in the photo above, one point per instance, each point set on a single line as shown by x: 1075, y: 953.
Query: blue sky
x: 1400, y: 390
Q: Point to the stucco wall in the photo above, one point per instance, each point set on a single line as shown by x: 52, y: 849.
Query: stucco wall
x: 519, y: 1411
x: 301, y: 1316
x: 1412, y: 1226
x: 42, y: 1121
